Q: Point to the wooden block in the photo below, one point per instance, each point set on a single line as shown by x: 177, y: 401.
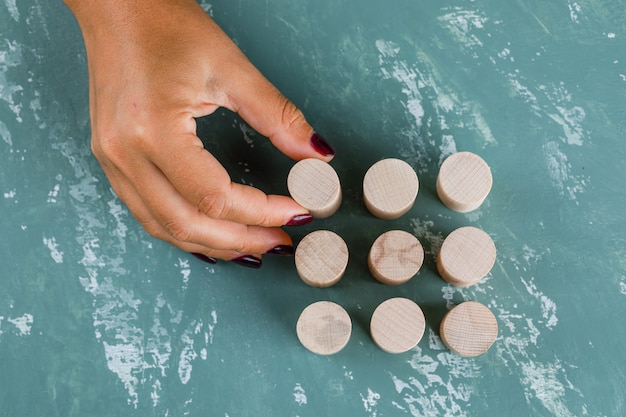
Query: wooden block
x: 321, y: 258
x: 324, y: 328
x: 469, y: 329
x: 314, y: 185
x: 397, y: 325
x: 466, y: 256
x: 395, y: 257
x: 389, y: 188
x: 464, y: 181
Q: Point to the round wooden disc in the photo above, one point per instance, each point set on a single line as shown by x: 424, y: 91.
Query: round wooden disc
x: 314, y: 185
x: 389, y: 188
x: 395, y: 257
x: 466, y: 256
x: 397, y: 325
x: 464, y: 181
x: 469, y: 329
x: 321, y: 258
x: 324, y: 328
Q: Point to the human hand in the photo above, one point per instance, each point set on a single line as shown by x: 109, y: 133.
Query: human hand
x: 155, y: 66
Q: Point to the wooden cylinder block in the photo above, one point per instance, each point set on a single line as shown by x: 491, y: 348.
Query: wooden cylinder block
x: 464, y: 181
x: 466, y: 256
x: 469, y: 329
x: 395, y: 257
x: 397, y: 325
x: 321, y: 258
x: 389, y: 188
x: 324, y: 328
x: 314, y: 185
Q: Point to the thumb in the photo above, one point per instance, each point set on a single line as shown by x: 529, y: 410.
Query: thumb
x: 271, y: 114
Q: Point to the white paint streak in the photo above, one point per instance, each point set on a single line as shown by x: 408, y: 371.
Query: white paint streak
x: 154, y: 395
x: 187, y: 356
x: 406, y: 76
x: 23, y: 324
x: 53, y: 246
x: 13, y: 11
x: 559, y: 171
x: 370, y: 402
x: 462, y: 24
x: 185, y: 271
x: 418, y: 86
x: 10, y: 57
x: 437, y: 387
x: 574, y: 11
x: 124, y: 359
x: 53, y: 194
x: 571, y: 121
x: 544, y: 384
x: 211, y: 326
x: 5, y: 134
x: 423, y: 229
x: 299, y: 395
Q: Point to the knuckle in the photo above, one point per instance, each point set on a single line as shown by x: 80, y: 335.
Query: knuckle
x: 108, y: 148
x: 291, y: 116
x: 244, y: 245
x: 213, y: 206
x: 179, y: 230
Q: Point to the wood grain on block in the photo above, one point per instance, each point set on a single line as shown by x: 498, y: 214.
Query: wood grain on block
x: 464, y: 181
x: 469, y: 329
x: 314, y: 185
x: 397, y: 325
x: 395, y: 257
x: 390, y: 187
x: 321, y: 258
x: 466, y: 256
x: 324, y: 328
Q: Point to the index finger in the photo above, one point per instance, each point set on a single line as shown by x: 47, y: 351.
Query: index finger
x: 202, y: 180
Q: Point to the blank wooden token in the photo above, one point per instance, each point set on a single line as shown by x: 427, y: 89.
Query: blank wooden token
x: 397, y: 325
x: 389, y: 188
x: 314, y: 185
x: 464, y: 181
x: 324, y: 328
x: 469, y: 329
x: 321, y: 258
x: 466, y: 256
x: 395, y: 257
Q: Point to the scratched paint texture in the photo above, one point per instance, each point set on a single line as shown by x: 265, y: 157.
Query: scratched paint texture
x: 98, y: 319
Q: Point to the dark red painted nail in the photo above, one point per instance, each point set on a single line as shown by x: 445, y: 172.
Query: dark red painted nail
x: 283, y: 250
x: 248, y: 261
x: 321, y: 146
x: 300, y: 219
x: 205, y: 258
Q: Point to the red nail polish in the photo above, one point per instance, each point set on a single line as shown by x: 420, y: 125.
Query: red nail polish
x: 321, y: 146
x: 248, y: 261
x: 283, y: 250
x: 299, y: 220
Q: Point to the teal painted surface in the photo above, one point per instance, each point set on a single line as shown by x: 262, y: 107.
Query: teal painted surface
x: 98, y: 319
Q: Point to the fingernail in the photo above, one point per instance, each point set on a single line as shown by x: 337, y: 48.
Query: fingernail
x: 321, y: 146
x: 248, y: 261
x: 205, y: 258
x: 300, y: 219
x: 283, y: 250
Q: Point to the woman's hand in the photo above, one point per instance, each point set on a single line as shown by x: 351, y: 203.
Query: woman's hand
x: 155, y: 66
